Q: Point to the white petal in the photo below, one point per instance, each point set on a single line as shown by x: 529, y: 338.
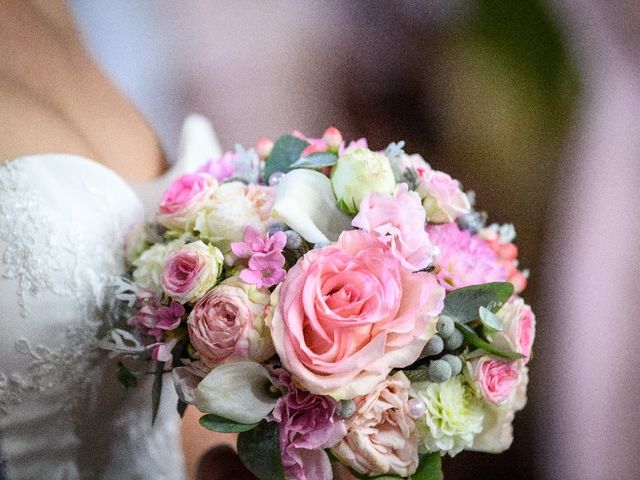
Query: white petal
x: 305, y: 201
x: 237, y: 391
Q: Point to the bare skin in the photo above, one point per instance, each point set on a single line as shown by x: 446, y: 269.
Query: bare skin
x: 53, y: 97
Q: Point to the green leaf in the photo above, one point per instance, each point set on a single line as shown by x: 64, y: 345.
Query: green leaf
x: 316, y: 160
x: 259, y: 451
x: 430, y: 467
x: 286, y: 151
x: 346, y: 208
x: 224, y: 425
x: 126, y: 377
x: 473, y: 339
x: 156, y: 390
x: 462, y: 305
x: 490, y: 320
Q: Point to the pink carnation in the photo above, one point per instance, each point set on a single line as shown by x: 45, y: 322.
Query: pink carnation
x: 464, y: 259
x: 307, y: 424
x: 349, y: 313
x: 398, y: 220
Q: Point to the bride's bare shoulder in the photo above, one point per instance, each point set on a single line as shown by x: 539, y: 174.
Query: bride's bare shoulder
x: 54, y: 98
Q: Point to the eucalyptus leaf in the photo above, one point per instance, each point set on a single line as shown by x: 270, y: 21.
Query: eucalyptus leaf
x: 316, y: 160
x: 259, y: 451
x: 286, y: 151
x: 156, y: 390
x: 430, y: 467
x: 216, y: 423
x: 463, y: 304
x: 474, y: 340
x: 490, y: 319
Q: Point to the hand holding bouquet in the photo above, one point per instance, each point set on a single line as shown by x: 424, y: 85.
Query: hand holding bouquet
x: 332, y: 304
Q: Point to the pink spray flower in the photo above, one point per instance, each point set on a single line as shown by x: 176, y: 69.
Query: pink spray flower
x: 266, y: 262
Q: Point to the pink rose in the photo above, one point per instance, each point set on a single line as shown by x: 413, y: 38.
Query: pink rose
x: 380, y: 436
x: 497, y: 428
x: 228, y: 324
x: 398, y: 220
x: 518, y: 325
x: 443, y: 199
x: 349, y: 313
x: 495, y: 379
x: 184, y: 198
x: 190, y: 271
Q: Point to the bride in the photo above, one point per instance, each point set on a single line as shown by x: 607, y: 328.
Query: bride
x: 77, y: 165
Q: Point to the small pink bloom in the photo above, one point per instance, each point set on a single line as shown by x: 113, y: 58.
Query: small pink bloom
x: 353, y: 145
x: 228, y: 324
x: 266, y: 261
x: 161, y: 351
x: 496, y: 380
x: 349, y: 313
x: 398, y: 220
x: 184, y: 199
x: 307, y: 424
x: 265, y: 269
x: 380, y: 436
x: 154, y: 319
x: 264, y: 146
x: 222, y: 168
x: 332, y: 138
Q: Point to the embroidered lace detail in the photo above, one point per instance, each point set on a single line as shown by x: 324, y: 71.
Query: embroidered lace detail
x: 54, y: 370
x: 48, y: 249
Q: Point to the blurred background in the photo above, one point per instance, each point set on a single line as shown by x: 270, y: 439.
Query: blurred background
x: 534, y: 105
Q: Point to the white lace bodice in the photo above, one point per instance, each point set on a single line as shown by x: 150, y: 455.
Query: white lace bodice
x: 63, y: 221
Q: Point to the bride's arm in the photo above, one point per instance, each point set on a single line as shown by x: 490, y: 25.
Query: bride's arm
x: 53, y: 97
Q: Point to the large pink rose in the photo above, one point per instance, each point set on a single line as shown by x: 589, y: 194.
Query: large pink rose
x: 380, y: 434
x: 184, y: 199
x: 495, y: 379
x: 228, y: 324
x: 398, y: 220
x: 191, y: 270
x: 349, y: 313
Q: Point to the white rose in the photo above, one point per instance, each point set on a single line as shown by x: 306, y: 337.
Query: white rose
x: 231, y: 211
x: 358, y: 173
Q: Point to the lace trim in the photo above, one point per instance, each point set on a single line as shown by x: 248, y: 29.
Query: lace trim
x: 48, y: 250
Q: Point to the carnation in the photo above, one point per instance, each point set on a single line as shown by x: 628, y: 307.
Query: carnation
x: 464, y: 259
x: 453, y: 416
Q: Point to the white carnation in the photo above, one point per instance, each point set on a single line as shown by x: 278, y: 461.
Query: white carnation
x: 452, y: 418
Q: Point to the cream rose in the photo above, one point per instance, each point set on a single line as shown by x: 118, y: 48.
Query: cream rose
x: 381, y: 434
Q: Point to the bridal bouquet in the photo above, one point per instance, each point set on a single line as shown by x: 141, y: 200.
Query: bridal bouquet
x: 332, y: 304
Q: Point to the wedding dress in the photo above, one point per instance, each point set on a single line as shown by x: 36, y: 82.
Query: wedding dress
x: 63, y: 416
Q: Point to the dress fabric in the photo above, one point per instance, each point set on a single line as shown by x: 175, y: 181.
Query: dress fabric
x: 63, y: 416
